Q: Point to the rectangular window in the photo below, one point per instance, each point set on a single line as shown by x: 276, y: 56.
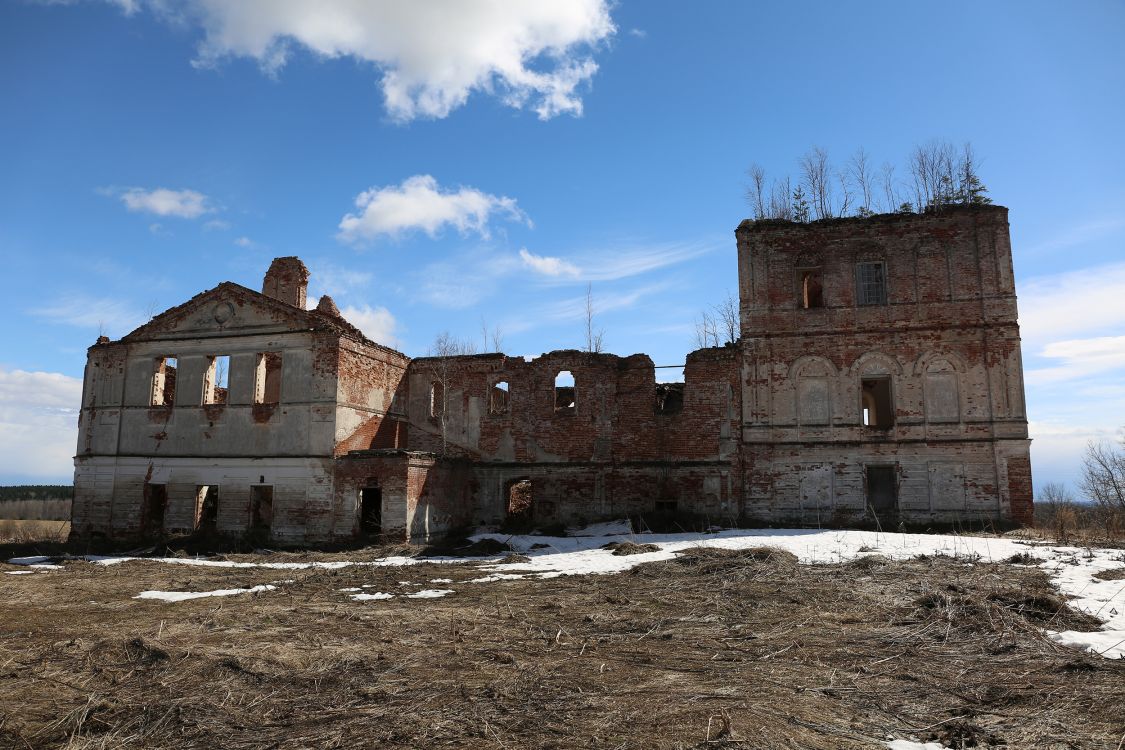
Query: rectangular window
x: 871, y: 283
x: 267, y: 379
x: 810, y: 288
x: 878, y: 411
x: 164, y: 382
x: 499, y: 399
x: 216, y: 380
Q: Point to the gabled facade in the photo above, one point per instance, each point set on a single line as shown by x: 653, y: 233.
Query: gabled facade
x: 877, y: 378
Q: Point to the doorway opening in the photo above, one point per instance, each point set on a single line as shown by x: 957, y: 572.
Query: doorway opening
x: 520, y: 505
x: 371, y: 509
x: 882, y: 492
x: 261, y: 508
x: 155, y: 502
x: 206, y: 507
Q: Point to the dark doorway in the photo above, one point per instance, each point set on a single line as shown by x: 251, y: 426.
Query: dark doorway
x: 371, y: 510
x: 520, y: 508
x: 882, y: 491
x: 207, y: 507
x: 261, y: 508
x: 152, y: 510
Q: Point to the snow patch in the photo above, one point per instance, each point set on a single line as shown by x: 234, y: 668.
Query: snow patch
x: 371, y: 597
x: 429, y: 593
x: 911, y: 745
x: 181, y: 596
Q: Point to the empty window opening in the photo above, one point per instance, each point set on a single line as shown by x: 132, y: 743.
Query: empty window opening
x: 871, y: 283
x: 164, y: 382
x: 669, y: 398
x: 666, y: 506
x: 267, y: 380
x: 499, y: 399
x: 261, y: 507
x: 882, y: 490
x: 565, y: 397
x: 878, y: 412
x: 206, y: 507
x: 520, y: 508
x: 437, y: 399
x: 371, y: 509
x: 216, y: 380
x: 155, y: 502
x: 812, y: 288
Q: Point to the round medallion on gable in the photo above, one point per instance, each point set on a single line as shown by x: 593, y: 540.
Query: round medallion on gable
x: 223, y: 312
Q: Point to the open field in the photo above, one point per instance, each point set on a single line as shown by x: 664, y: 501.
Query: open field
x: 24, y: 531
x: 708, y: 647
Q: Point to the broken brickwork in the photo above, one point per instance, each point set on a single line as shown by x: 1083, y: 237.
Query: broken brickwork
x: 877, y: 379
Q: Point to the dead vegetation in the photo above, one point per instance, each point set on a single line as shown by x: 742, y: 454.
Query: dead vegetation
x: 714, y: 648
x: 32, y: 532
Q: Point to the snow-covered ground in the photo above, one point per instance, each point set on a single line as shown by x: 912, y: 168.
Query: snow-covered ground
x: 1072, y: 570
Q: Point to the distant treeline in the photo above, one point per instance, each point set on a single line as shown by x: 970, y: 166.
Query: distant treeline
x: 37, y: 492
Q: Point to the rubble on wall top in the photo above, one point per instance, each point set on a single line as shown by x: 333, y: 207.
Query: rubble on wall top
x: 930, y: 215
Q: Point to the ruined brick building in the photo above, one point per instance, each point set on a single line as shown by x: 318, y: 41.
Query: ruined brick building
x: 877, y: 376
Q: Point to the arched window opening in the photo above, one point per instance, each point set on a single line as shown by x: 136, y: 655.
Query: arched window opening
x: 566, y: 398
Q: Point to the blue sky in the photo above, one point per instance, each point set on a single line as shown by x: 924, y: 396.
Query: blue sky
x: 495, y: 160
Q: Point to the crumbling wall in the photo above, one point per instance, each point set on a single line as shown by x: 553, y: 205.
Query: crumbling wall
x: 618, y: 450
x: 945, y: 339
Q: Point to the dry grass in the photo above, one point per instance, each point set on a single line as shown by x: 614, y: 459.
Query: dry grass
x: 713, y: 649
x: 31, y: 532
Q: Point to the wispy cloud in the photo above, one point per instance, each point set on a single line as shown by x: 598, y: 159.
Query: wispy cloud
x: 610, y: 263
x: 38, y: 423
x: 114, y: 316
x: 1076, y: 303
x: 1079, y: 358
x: 420, y: 204
x: 574, y: 308
x: 1080, y: 234
x: 327, y: 278
x: 184, y: 204
x: 547, y: 265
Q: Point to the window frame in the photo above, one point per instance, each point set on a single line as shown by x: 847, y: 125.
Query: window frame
x: 862, y: 299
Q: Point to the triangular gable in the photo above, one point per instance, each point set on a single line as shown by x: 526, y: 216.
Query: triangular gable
x: 226, y: 308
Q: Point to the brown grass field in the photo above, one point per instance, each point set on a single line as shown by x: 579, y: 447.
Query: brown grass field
x: 711, y: 650
x: 27, y: 532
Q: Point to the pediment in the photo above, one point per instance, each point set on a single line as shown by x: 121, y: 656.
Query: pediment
x: 221, y: 311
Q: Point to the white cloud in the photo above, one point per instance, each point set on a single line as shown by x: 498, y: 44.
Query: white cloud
x: 245, y: 242
x: 419, y: 203
x: 38, y: 424
x: 113, y: 316
x: 185, y: 204
x: 377, y: 323
x: 432, y: 55
x: 547, y: 265
x: 1082, y: 302
x: 216, y: 225
x: 1080, y: 358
